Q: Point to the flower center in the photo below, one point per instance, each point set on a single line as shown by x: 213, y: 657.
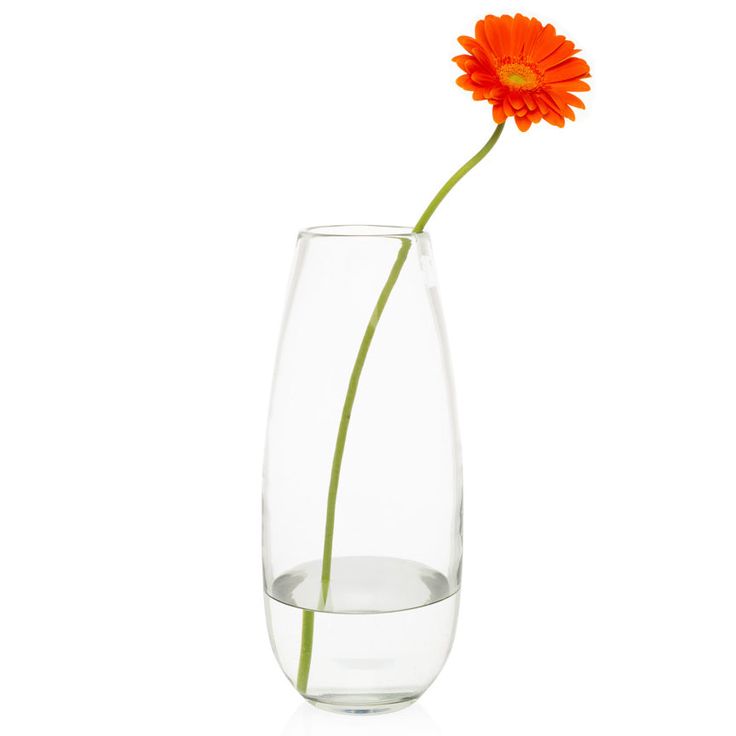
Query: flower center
x: 518, y: 76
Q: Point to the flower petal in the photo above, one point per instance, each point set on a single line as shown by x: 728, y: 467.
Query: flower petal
x: 493, y: 34
x: 555, y: 118
x: 545, y: 44
x: 480, y: 33
x: 497, y: 93
x: 505, y: 24
x: 523, y: 124
x: 468, y: 43
x: 569, y: 69
x: 550, y: 102
x: 569, y: 99
x: 518, y: 31
x: 465, y: 62
x: 482, y: 78
x: 516, y: 100
x: 570, y: 85
x: 498, y: 114
x: 534, y: 29
x: 565, y: 50
x: 529, y: 101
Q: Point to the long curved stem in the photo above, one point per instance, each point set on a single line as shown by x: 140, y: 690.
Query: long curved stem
x: 305, y: 654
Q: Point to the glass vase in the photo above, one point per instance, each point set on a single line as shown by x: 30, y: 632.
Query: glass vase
x: 371, y: 633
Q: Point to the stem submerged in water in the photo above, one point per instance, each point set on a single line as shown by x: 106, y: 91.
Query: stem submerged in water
x: 305, y: 653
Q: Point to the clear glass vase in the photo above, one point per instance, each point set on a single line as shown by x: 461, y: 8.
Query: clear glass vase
x: 372, y: 633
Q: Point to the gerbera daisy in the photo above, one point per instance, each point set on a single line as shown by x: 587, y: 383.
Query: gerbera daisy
x: 524, y: 69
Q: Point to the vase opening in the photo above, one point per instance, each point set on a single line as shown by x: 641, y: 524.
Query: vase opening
x: 362, y: 231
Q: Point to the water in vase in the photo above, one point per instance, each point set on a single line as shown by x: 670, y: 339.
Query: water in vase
x: 379, y: 641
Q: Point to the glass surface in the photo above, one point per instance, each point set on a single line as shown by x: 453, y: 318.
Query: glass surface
x: 387, y: 625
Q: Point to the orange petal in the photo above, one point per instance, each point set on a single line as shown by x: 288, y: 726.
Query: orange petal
x: 529, y: 101
x: 480, y: 33
x: 482, y: 56
x: 498, y: 114
x: 464, y: 81
x: 534, y: 28
x: 569, y: 99
x: 555, y: 119
x: 523, y: 124
x: 546, y: 43
x: 506, y: 23
x: 567, y: 112
x: 516, y: 100
x: 565, y: 50
x: 468, y: 43
x: 549, y: 100
x: 493, y: 34
x: 497, y: 93
x: 570, y: 85
x: 569, y: 69
x: 518, y: 31
x: 464, y: 61
x: 484, y: 78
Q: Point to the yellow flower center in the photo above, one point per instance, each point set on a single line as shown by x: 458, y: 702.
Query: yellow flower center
x: 518, y: 76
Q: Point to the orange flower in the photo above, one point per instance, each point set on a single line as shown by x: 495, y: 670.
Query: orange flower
x: 525, y: 70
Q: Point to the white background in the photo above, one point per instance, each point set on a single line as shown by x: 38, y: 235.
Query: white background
x: 156, y: 162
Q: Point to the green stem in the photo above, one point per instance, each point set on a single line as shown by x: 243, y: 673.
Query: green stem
x: 305, y: 651
x: 347, y: 410
x: 305, y: 654
x: 455, y: 178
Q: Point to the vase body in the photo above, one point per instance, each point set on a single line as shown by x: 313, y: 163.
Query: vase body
x: 386, y: 626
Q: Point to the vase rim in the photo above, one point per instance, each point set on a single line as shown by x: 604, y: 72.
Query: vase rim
x: 361, y: 231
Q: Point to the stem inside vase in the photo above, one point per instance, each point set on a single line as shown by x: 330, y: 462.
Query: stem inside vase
x: 307, y: 635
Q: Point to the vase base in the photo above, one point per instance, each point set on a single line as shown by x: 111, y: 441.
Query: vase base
x: 362, y: 705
